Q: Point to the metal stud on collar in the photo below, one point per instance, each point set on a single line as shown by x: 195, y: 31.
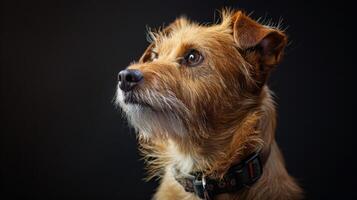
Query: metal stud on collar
x: 205, y: 191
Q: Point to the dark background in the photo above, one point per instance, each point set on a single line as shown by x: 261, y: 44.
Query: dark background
x: 61, y: 137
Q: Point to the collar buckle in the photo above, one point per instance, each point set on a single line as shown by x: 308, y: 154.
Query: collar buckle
x: 239, y: 176
x: 199, y: 187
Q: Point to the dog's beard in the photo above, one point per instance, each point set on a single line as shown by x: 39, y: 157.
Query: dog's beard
x: 154, y: 114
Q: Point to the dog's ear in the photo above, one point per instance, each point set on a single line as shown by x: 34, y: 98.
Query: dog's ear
x: 178, y: 23
x: 266, y: 43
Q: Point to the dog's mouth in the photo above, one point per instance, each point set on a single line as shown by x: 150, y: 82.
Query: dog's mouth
x: 131, y: 98
x: 150, y: 100
x: 149, y: 110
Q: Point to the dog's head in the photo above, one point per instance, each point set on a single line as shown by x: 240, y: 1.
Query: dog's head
x: 197, y: 80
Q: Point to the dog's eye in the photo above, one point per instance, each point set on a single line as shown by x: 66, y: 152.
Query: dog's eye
x: 192, y: 58
x: 154, y: 55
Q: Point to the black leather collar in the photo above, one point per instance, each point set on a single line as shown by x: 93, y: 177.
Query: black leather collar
x: 239, y: 176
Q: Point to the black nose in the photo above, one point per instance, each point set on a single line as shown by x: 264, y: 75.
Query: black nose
x: 129, y: 78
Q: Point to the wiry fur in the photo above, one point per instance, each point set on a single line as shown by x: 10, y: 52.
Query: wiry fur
x: 208, y: 117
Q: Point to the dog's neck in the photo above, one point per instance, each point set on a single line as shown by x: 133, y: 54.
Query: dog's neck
x: 215, y: 156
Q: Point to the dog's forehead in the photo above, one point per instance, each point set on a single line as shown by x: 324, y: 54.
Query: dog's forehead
x: 193, y: 34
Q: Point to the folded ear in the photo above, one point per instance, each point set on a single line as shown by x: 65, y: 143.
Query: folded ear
x: 267, y: 43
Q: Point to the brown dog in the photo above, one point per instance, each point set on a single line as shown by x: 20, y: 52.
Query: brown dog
x: 205, y: 116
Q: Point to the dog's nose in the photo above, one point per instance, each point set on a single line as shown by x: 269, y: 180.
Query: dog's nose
x: 129, y: 78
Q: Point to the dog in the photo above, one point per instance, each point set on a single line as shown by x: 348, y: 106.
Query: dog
x: 205, y: 117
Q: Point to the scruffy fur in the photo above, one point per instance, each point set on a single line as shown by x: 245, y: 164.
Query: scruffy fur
x: 208, y: 117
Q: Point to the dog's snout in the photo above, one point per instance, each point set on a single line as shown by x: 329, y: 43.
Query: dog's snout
x: 129, y: 78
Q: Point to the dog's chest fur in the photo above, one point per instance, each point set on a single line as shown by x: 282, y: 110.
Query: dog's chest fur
x: 180, y: 162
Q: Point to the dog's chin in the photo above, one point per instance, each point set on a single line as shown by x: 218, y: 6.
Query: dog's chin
x: 130, y: 104
x: 130, y: 100
x: 149, y: 120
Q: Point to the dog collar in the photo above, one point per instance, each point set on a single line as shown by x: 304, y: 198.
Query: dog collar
x: 239, y: 176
